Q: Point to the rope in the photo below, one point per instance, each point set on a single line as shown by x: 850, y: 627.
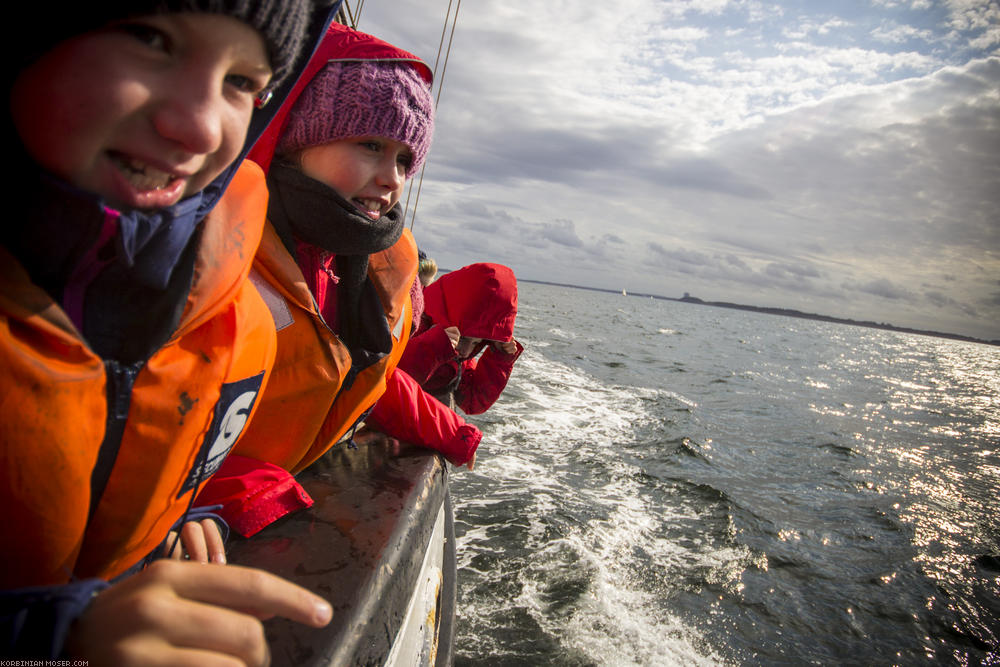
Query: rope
x: 437, y: 100
x: 346, y: 17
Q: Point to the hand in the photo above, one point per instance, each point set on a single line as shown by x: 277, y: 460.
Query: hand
x: 200, y: 541
x: 507, y: 347
x: 179, y: 612
x: 472, y: 462
x: 454, y: 335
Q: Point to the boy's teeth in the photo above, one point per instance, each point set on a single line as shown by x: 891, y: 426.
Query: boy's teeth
x: 143, y: 176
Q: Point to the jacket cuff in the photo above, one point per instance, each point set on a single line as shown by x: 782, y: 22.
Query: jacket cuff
x: 460, y: 450
x: 253, y: 494
x: 35, y: 622
x: 200, y: 514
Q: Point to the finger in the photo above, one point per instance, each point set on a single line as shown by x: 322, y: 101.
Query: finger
x: 193, y: 538
x: 178, y: 550
x: 213, y: 629
x: 194, y: 658
x: 155, y: 652
x: 213, y: 542
x: 143, y: 621
x: 243, y: 588
x: 472, y: 462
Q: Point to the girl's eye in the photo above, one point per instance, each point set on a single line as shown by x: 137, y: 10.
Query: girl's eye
x: 406, y: 161
x: 146, y: 34
x: 246, y: 84
x: 373, y: 146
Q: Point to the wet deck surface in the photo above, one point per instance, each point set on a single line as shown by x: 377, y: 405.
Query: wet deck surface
x: 360, y: 546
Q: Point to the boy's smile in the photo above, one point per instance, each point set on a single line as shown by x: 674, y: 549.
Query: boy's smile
x: 144, y: 112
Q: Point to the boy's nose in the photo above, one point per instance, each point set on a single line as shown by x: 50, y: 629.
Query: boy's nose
x: 192, y: 116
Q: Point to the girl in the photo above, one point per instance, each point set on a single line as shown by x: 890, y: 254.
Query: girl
x: 335, y: 266
x: 131, y: 344
x: 466, y: 312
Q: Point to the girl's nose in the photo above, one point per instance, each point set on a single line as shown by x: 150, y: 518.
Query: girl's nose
x: 191, y: 115
x: 391, y: 174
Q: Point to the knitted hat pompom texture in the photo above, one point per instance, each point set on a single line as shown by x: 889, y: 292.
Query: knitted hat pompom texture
x: 361, y: 99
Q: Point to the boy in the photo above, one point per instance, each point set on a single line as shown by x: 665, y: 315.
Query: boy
x: 132, y: 346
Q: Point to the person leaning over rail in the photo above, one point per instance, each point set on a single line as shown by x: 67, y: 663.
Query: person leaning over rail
x: 462, y: 354
x: 464, y: 349
x: 335, y: 266
x: 132, y: 346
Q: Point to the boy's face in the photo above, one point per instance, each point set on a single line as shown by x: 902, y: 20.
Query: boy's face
x: 143, y: 112
x: 369, y: 172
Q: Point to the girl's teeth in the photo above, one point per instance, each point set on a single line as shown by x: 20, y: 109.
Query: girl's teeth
x: 143, y: 176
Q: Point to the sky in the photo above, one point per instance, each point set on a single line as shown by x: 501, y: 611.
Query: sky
x: 835, y: 158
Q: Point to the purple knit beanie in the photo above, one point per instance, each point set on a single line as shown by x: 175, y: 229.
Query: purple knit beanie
x: 360, y: 98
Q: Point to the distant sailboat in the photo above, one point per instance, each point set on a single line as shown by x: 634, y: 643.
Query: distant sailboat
x: 624, y: 293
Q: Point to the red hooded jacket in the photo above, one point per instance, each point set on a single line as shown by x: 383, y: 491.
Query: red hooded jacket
x: 481, y: 300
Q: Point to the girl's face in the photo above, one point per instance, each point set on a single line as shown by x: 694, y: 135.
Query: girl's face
x: 369, y: 172
x: 143, y: 112
x: 466, y: 346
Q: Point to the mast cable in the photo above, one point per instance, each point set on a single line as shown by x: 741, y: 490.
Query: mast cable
x: 346, y: 17
x: 437, y: 100
x: 434, y: 79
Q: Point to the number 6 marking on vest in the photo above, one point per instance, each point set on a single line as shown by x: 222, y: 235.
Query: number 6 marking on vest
x: 232, y: 425
x: 232, y: 411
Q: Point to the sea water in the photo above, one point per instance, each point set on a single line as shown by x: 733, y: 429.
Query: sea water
x: 665, y: 483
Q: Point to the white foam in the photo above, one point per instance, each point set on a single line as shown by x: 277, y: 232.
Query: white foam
x: 552, y: 417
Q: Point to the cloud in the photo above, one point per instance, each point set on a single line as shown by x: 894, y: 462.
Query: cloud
x: 561, y: 232
x: 775, y: 153
x: 900, y: 34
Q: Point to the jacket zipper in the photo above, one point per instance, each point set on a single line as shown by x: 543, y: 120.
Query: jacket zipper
x: 120, y: 380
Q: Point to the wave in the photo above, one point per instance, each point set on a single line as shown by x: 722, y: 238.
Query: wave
x: 561, y: 530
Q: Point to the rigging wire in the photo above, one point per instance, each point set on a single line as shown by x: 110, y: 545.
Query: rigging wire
x: 346, y: 17
x: 349, y: 18
x: 437, y: 100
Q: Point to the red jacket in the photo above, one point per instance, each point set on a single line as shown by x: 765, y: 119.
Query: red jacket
x: 481, y: 300
x: 408, y: 413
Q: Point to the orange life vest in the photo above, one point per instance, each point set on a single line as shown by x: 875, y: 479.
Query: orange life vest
x: 306, y: 409
x: 187, y: 406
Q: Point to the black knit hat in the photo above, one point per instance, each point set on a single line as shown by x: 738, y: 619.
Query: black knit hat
x: 281, y: 23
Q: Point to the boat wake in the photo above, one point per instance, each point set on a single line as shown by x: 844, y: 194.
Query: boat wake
x: 565, y: 555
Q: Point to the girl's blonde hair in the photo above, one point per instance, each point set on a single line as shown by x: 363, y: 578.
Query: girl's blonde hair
x: 428, y: 269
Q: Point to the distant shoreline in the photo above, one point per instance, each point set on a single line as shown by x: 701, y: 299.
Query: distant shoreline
x: 787, y: 312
